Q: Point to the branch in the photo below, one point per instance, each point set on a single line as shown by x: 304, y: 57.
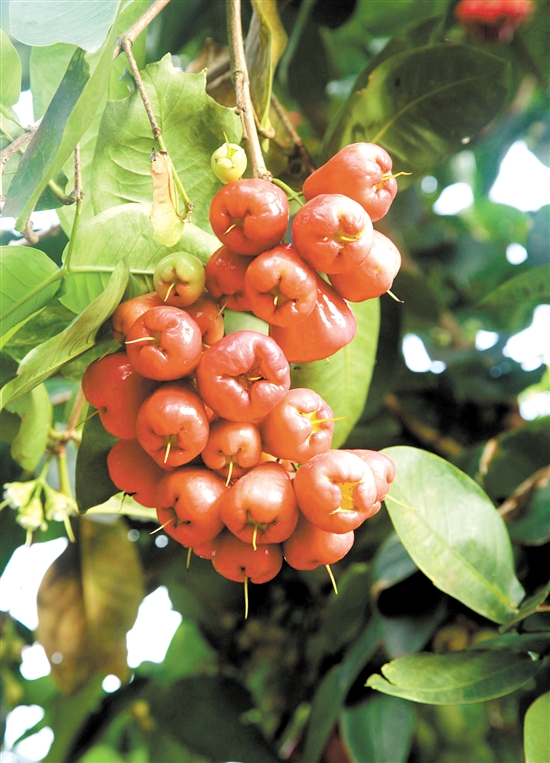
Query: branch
x: 138, y: 26
x: 289, y: 127
x: 241, y: 82
x: 429, y: 436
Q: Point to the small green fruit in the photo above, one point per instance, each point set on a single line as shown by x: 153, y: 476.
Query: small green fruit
x: 228, y: 162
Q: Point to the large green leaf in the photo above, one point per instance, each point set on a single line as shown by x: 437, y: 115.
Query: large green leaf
x: 527, y: 289
x: 378, y: 730
x: 79, y: 336
x: 39, y: 327
x: 68, y: 116
x: 47, y: 66
x: 93, y: 484
x: 79, y: 22
x: 529, y: 606
x: 28, y: 281
x: 413, y: 104
x: 204, y: 713
x: 331, y: 692
x: 192, y: 124
x: 457, y: 678
x: 265, y: 43
x: 30, y: 443
x: 537, y: 730
x: 453, y: 533
x: 10, y: 66
x: 123, y: 231
x: 343, y: 380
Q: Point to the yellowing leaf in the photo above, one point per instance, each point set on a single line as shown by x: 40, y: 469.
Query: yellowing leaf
x: 87, y: 602
x: 167, y: 223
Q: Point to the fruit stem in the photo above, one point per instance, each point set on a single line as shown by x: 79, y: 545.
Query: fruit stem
x: 332, y: 580
x: 290, y: 192
x: 188, y: 561
x: 246, y: 597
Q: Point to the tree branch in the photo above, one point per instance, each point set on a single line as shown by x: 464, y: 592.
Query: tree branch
x: 241, y: 82
x: 538, y: 479
x: 138, y: 26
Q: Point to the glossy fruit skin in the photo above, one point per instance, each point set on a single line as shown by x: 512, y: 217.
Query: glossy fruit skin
x: 233, y: 447
x: 172, y: 414
x: 288, y: 432
x: 206, y: 314
x: 333, y: 233
x: 175, y: 350
x: 374, y: 276
x: 192, y: 496
x: 256, y: 208
x: 382, y: 467
x: 133, y: 471
x: 179, y: 279
x: 263, y: 499
x: 336, y: 491
x: 330, y: 326
x: 493, y: 20
x: 280, y: 286
x: 111, y: 385
x: 225, y: 274
x: 228, y: 162
x: 238, y: 561
x: 128, y: 312
x: 243, y: 376
x: 357, y: 171
x: 310, y: 547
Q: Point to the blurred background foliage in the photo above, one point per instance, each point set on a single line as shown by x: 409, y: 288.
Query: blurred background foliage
x: 230, y: 689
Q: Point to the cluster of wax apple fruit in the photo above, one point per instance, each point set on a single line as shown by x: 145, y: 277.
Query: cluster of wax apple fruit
x: 238, y: 466
x: 494, y: 20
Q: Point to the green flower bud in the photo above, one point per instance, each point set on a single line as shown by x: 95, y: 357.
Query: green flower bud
x: 59, y: 506
x: 31, y: 516
x: 18, y: 494
x: 228, y: 162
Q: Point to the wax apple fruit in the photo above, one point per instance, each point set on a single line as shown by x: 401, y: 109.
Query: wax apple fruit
x: 240, y: 562
x: 188, y: 501
x: 336, y: 491
x: 179, y: 279
x: 261, y: 507
x: 164, y: 343
x: 243, y: 376
x: 172, y: 425
x: 128, y: 312
x: 225, y: 273
x: 112, y: 386
x: 233, y: 448
x: 280, y: 286
x: 361, y: 171
x: 374, y: 276
x: 132, y: 470
x: 249, y: 216
x: 310, y: 547
x: 332, y: 232
x: 299, y: 427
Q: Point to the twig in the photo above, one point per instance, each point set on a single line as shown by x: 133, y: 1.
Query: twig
x: 289, y: 127
x: 138, y: 26
x: 53, y: 230
x: 77, y: 190
x: 538, y: 479
x: 241, y: 82
x: 16, y: 145
x: 157, y: 132
x: 445, y: 446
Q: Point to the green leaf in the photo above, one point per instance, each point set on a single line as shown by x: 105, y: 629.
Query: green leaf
x: 529, y: 606
x: 188, y: 654
x: 44, y: 324
x: 378, y: 730
x: 28, y: 281
x: 453, y: 533
x: 539, y: 643
x: 531, y: 526
x: 29, y: 445
x: 343, y: 380
x: 413, y: 104
x: 78, y: 337
x: 69, y: 114
x: 265, y: 43
x: 331, y: 692
x: 79, y: 22
x: 527, y: 290
x: 47, y: 66
x: 123, y: 231
x: 10, y: 66
x: 123, y: 504
x: 93, y: 485
x: 204, y: 713
x: 192, y: 126
x: 392, y: 564
x: 457, y: 678
x: 537, y: 730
